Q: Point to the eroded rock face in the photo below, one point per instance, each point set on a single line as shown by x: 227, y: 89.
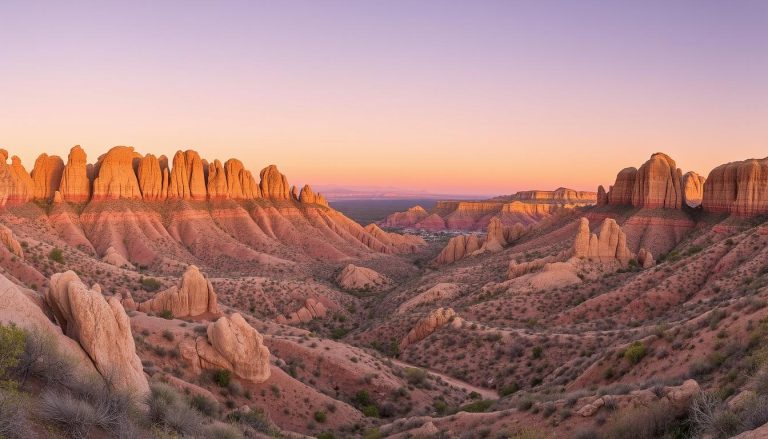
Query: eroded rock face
x: 693, y: 189
x: 609, y: 245
x: 408, y: 218
x: 312, y: 309
x: 7, y: 239
x: 234, y: 345
x: 353, y: 277
x: 23, y: 187
x: 738, y: 188
x: 187, y: 181
x: 658, y: 184
x: 602, y: 196
x: 427, y: 326
x: 404, y: 243
x: 116, y: 178
x: 113, y: 257
x: 46, y: 176
x: 152, y: 180
x: 457, y: 248
x: 75, y: 186
x: 274, y: 185
x: 217, y: 181
x: 240, y: 183
x: 645, y: 258
x: 308, y: 196
x: 193, y: 296
x: 499, y: 235
x: 101, y: 327
x: 620, y: 194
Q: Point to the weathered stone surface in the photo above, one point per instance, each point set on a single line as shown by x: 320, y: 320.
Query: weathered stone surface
x: 307, y: 195
x: 150, y: 178
x: 187, y: 180
x: 75, y: 185
x: 235, y: 346
x: 46, y: 176
x: 116, y: 177
x: 312, y: 309
x: 658, y: 184
x: 113, y: 257
x: 353, y: 277
x: 645, y: 258
x: 682, y: 395
x: 193, y: 296
x: 609, y: 245
x: 591, y: 408
x: 217, y: 181
x: 620, y: 194
x: 274, y: 185
x: 408, y: 218
x: 602, y: 196
x: 427, y: 325
x: 401, y: 243
x: 457, y: 248
x: 240, y: 183
x: 739, y: 188
x: 23, y: 188
x: 693, y: 189
x: 7, y: 239
x: 101, y: 327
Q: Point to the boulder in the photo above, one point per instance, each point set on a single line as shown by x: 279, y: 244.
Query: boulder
x: 113, y: 257
x: 46, y: 176
x: 590, y: 409
x: 680, y: 396
x: 312, y: 309
x: 102, y: 329
x: 234, y: 345
x: 645, y: 258
x: 193, y: 296
x: 427, y: 325
x: 7, y: 238
x: 116, y: 178
x: 75, y: 185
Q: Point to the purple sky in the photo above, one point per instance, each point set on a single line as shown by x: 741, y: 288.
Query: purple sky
x: 473, y: 97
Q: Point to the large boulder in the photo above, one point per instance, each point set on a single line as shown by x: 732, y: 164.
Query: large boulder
x: 193, y: 296
x: 234, y: 345
x: 10, y: 242
x: 102, y: 329
x: 353, y: 277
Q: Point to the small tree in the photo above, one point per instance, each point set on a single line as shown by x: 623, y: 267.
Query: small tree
x: 635, y: 352
x: 56, y: 255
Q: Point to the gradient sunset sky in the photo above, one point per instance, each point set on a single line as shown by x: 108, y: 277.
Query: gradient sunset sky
x: 480, y: 97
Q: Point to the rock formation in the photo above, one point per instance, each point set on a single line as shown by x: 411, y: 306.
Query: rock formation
x: 116, y: 177
x: 153, y: 183
x: 46, y: 176
x: 693, y: 189
x: 427, y: 325
x: 657, y: 184
x: 308, y: 196
x: 312, y: 309
x: 620, y: 194
x: 457, y: 248
x: 609, y: 245
x: 353, y: 277
x: 408, y: 218
x: 274, y: 185
x: 234, y: 345
x: 739, y: 188
x: 24, y: 188
x: 217, y: 181
x: 112, y: 257
x: 7, y: 239
x: 193, y: 296
x: 499, y: 235
x: 101, y: 327
x: 187, y: 180
x: 602, y: 196
x: 75, y: 186
x: 399, y: 243
x: 645, y: 258
x: 240, y: 182
x: 441, y: 291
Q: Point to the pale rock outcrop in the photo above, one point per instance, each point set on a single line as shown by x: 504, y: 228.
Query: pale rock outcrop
x: 113, y: 257
x: 7, y: 238
x: 187, y: 179
x: 312, y: 309
x: 240, y: 183
x: 693, y: 189
x: 498, y: 235
x: 307, y: 195
x: 602, y: 196
x: 738, y: 188
x: 645, y: 258
x: 75, y: 185
x: 680, y: 396
x: 590, y: 409
x: 217, y: 181
x: 46, y: 176
x: 353, y: 277
x: 609, y: 245
x: 294, y: 193
x: 457, y: 248
x: 101, y: 327
x: 151, y: 178
x: 193, y: 296
x: 427, y: 325
x: 274, y: 185
x: 441, y: 291
x: 553, y: 275
x: 116, y: 178
x: 24, y: 186
x: 620, y: 194
x: 401, y: 243
x: 517, y: 269
x: 408, y: 218
x: 234, y: 345
x: 658, y: 184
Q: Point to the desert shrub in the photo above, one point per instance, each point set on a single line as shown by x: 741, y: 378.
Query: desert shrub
x: 222, y: 377
x: 509, y: 389
x: 74, y: 416
x: 168, y: 410
x: 221, y: 431
x: 12, y: 342
x: 649, y: 422
x: 525, y: 404
x: 255, y: 419
x: 166, y: 314
x: 168, y: 335
x: 150, y: 284
x: 56, y: 255
x: 440, y: 406
x: 371, y: 411
x: 13, y: 418
x: 635, y: 352
x: 476, y: 407
x: 204, y: 405
x: 320, y: 416
x: 326, y: 435
x: 42, y: 359
x: 585, y: 433
x: 415, y: 376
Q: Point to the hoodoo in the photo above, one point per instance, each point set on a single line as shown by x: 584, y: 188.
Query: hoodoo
x: 657, y: 184
x: 75, y: 185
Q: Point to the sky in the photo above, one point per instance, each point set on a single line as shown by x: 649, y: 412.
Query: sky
x: 464, y: 97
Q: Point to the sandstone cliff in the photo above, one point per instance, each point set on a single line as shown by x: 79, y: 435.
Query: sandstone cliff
x: 739, y: 188
x: 116, y: 177
x: 657, y: 184
x: 693, y: 189
x: 75, y: 185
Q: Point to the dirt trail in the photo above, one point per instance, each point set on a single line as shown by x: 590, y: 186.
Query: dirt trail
x: 485, y: 393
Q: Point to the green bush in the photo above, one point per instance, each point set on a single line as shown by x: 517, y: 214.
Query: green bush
x: 12, y: 343
x: 320, y: 416
x: 476, y: 407
x: 150, y: 284
x: 635, y: 352
x: 222, y: 377
x: 166, y: 314
x: 371, y: 411
x: 56, y: 255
